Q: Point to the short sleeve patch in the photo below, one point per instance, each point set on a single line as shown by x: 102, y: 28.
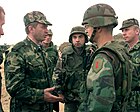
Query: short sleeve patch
x: 97, y: 65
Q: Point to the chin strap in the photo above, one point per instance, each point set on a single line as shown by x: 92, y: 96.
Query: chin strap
x: 93, y: 34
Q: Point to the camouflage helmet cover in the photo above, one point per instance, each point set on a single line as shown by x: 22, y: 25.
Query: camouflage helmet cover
x: 64, y: 45
x: 100, y: 15
x: 78, y: 29
x: 50, y: 32
x: 129, y: 22
x: 35, y: 16
x: 118, y: 37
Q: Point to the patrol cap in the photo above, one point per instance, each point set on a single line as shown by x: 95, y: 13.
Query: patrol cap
x: 35, y: 16
x: 129, y: 22
x: 50, y: 32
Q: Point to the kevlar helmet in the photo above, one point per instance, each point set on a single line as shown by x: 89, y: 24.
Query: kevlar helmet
x: 100, y: 15
x: 78, y: 29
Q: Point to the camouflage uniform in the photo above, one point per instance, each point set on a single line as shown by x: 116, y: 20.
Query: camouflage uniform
x: 53, y: 56
x: 134, y: 98
x: 51, y: 43
x: 106, y: 90
x: 28, y: 72
x: 74, y: 75
x: 73, y: 71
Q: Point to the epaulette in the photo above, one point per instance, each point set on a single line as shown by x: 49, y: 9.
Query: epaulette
x: 18, y: 46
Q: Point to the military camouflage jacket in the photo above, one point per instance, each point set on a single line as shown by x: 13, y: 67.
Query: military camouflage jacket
x: 134, y: 100
x: 135, y: 53
x: 73, y: 64
x: 103, y: 87
x: 27, y: 74
x: 52, y: 54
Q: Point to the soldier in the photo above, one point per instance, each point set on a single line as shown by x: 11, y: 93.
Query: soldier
x: 51, y: 49
x: 107, y: 83
x: 48, y: 39
x: 130, y: 30
x: 27, y: 69
x: 72, y: 66
x: 2, y: 22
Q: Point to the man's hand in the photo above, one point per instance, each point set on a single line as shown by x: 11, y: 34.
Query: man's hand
x: 60, y: 95
x: 50, y: 97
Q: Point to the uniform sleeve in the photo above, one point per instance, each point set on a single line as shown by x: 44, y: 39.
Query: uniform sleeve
x: 100, y: 84
x: 14, y: 67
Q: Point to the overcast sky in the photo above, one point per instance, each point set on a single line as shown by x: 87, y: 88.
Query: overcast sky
x: 63, y: 14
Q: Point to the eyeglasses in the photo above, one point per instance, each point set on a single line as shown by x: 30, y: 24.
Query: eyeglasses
x: 86, y: 26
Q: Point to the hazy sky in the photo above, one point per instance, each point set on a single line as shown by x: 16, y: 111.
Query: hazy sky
x: 63, y: 14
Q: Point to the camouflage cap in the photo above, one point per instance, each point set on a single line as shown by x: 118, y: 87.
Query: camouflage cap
x: 129, y: 22
x: 35, y: 16
x: 50, y: 32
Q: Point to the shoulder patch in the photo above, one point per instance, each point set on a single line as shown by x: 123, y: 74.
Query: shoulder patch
x: 97, y: 65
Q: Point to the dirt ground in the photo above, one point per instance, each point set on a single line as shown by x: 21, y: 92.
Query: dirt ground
x: 5, y: 97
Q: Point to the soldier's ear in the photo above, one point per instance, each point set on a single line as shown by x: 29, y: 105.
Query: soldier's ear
x: 31, y: 28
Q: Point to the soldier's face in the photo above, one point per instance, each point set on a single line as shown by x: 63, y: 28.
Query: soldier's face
x: 40, y: 32
x: 48, y: 39
x: 78, y: 40
x: 2, y: 22
x: 130, y: 34
x: 88, y: 29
